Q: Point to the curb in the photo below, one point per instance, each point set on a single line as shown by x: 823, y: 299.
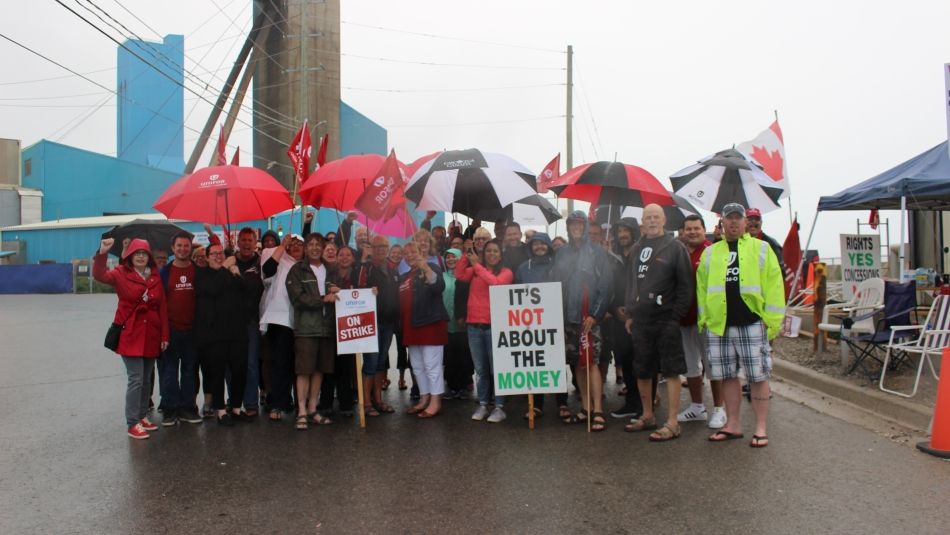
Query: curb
x: 880, y: 403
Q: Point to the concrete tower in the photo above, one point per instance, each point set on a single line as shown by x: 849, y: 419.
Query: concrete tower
x: 301, y: 79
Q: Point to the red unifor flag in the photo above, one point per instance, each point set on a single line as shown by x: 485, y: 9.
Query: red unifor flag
x: 384, y: 195
x: 550, y: 174
x: 221, y: 159
x: 768, y: 149
x: 299, y: 153
x: 792, y: 255
x: 236, y: 159
x: 322, y: 151
x: 874, y: 220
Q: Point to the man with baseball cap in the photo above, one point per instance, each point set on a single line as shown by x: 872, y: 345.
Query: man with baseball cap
x: 753, y: 218
x: 740, y: 301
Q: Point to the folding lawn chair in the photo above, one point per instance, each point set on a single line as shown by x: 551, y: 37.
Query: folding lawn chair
x: 899, y: 301
x: 857, y: 315
x: 933, y: 336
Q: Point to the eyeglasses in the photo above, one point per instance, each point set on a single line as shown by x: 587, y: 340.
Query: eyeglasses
x: 216, y: 253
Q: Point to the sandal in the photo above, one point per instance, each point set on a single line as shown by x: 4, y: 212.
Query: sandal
x: 759, y: 441
x: 722, y: 436
x: 640, y: 425
x: 563, y: 412
x: 320, y: 419
x: 402, y: 384
x: 578, y: 418
x: 386, y: 384
x: 301, y: 423
x: 537, y: 413
x: 665, y: 433
x: 275, y: 415
x: 385, y: 408
x: 597, y: 422
x: 370, y: 410
x: 250, y: 413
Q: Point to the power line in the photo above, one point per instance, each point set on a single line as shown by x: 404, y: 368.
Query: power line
x: 448, y: 38
x: 54, y: 98
x: 54, y: 77
x: 466, y: 65
x: 451, y: 90
x: 140, y: 58
x: 506, y: 121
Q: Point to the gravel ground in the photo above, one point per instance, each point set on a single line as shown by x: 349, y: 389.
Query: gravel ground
x: 799, y: 351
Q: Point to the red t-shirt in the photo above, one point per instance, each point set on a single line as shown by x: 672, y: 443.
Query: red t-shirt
x: 433, y: 334
x: 181, y: 297
x: 694, y: 257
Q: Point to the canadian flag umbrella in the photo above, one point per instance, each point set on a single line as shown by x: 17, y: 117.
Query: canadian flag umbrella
x: 611, y: 184
x: 725, y: 177
x: 469, y: 182
x: 223, y: 194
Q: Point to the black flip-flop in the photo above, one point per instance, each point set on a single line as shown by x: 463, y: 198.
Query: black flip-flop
x: 727, y: 435
x: 757, y: 441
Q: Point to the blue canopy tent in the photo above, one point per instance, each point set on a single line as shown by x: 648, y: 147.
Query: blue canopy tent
x: 921, y: 183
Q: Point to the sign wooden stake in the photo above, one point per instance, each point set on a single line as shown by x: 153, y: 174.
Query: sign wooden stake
x: 359, y: 389
x: 531, y: 411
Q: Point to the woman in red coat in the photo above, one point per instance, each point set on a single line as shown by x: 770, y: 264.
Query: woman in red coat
x: 142, y: 313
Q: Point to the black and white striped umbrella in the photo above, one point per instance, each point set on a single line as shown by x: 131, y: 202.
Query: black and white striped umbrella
x: 469, y: 182
x: 725, y: 177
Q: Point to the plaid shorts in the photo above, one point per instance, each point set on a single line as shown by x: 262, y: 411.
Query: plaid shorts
x: 742, y: 347
x: 572, y: 343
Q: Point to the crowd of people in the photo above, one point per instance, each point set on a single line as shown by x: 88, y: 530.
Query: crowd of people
x: 253, y: 325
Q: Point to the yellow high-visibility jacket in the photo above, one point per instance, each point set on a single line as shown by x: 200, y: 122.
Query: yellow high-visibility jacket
x: 761, y: 285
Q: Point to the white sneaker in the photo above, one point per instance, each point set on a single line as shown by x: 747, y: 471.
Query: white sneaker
x: 497, y: 415
x: 718, y: 419
x: 692, y: 414
x: 480, y: 413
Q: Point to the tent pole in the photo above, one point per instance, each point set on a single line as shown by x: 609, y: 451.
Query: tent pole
x: 798, y: 271
x: 900, y: 261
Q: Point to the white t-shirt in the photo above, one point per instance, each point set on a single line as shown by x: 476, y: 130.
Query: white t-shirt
x: 275, y: 303
x: 321, y: 274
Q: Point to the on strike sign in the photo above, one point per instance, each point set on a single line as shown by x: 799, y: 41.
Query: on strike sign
x: 527, y: 326
x: 356, y: 322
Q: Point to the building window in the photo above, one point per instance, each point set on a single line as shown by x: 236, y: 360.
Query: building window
x: 28, y: 167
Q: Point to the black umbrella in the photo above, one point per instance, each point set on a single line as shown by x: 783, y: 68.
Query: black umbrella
x: 157, y: 232
x: 469, y: 182
x: 675, y: 215
x: 533, y: 210
x: 725, y: 177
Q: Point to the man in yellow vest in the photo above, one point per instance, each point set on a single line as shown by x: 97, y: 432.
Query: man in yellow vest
x: 740, y: 296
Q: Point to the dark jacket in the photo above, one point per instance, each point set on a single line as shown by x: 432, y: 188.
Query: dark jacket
x: 312, y: 316
x: 666, y: 290
x: 427, y: 305
x: 254, y: 285
x: 219, y: 307
x: 537, y: 268
x: 386, y: 281
x: 581, y: 266
x: 513, y: 257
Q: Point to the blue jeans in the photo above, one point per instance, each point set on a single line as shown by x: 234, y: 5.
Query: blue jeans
x: 480, y: 343
x: 252, y: 386
x: 178, y: 389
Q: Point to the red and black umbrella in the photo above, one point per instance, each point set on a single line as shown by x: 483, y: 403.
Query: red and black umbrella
x: 223, y: 194
x: 612, y: 184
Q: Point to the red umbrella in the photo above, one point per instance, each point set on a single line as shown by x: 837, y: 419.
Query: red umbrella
x: 339, y: 183
x: 612, y: 183
x: 411, y: 168
x: 223, y: 194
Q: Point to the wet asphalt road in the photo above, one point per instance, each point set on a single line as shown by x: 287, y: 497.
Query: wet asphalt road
x: 66, y: 465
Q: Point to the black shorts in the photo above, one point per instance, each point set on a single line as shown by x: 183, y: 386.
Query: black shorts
x: 657, y: 348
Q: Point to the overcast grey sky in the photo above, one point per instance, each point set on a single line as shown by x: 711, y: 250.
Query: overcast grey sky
x: 857, y: 85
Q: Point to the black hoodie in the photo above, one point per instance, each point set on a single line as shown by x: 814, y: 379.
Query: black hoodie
x: 660, y: 282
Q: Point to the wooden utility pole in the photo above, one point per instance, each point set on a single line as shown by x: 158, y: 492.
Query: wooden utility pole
x: 569, y: 152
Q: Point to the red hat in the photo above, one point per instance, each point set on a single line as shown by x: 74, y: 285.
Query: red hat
x: 753, y: 212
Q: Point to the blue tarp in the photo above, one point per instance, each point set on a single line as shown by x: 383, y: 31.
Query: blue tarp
x: 36, y: 279
x: 924, y: 180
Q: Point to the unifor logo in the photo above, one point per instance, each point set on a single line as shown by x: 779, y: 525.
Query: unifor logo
x: 548, y: 173
x: 732, y: 257
x: 355, y: 294
x: 700, y: 193
x: 183, y: 279
x: 459, y: 163
x: 379, y: 181
x: 645, y: 254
